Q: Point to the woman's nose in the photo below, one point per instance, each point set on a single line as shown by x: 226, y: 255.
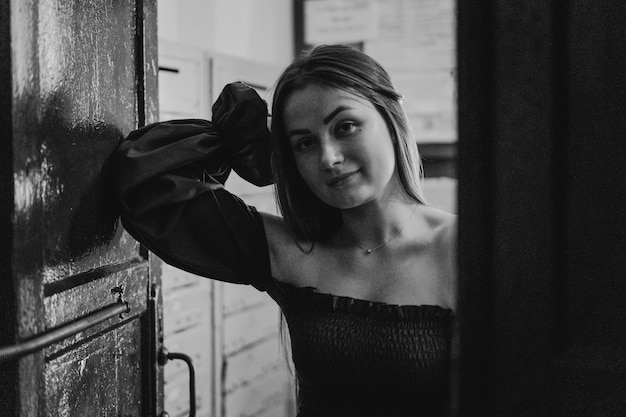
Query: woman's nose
x: 331, y: 154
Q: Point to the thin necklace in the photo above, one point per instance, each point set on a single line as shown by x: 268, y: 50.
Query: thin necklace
x: 367, y: 251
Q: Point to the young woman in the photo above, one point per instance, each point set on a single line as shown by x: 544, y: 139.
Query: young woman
x: 363, y: 269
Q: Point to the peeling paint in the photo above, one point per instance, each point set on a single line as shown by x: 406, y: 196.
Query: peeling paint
x: 36, y: 185
x: 74, y: 83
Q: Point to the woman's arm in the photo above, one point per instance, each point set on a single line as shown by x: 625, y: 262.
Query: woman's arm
x: 172, y: 195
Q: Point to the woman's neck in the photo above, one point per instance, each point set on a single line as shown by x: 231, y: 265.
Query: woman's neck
x: 376, y: 223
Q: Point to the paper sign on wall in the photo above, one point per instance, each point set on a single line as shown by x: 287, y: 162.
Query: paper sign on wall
x: 416, y: 44
x: 340, y: 21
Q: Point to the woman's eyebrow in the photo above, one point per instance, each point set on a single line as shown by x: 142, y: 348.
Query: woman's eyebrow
x: 297, y: 132
x: 333, y: 113
x: 326, y: 120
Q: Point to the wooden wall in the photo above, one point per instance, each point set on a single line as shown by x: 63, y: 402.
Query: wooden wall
x: 231, y: 331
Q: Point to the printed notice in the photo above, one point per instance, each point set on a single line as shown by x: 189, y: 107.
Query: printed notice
x: 340, y: 21
x: 416, y: 44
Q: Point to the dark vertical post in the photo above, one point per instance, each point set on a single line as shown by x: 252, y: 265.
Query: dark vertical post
x: 591, y: 365
x: 475, y: 205
x: 542, y: 208
x: 8, y: 314
x: 146, y: 63
x: 298, y: 26
x: 505, y: 70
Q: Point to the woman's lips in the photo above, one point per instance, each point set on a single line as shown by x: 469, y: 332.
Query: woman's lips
x: 341, y: 179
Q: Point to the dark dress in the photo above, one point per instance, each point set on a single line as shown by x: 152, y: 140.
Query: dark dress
x: 352, y: 357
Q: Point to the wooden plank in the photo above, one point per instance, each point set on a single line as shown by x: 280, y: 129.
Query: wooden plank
x: 258, y: 395
x: 186, y: 308
x: 250, y: 327
x: 252, y: 364
x: 237, y: 298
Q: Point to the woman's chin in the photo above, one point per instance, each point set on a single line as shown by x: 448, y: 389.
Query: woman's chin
x: 347, y: 202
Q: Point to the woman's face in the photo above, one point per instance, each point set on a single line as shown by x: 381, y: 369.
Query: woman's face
x: 341, y: 145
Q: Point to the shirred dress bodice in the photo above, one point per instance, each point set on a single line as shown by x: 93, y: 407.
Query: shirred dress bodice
x: 352, y: 357
x: 361, y: 358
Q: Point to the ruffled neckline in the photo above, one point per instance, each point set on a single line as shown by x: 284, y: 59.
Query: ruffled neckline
x: 375, y: 309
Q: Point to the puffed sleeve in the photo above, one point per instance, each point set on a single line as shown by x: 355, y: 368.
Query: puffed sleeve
x: 171, y: 177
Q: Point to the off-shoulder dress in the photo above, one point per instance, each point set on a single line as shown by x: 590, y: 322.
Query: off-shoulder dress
x: 352, y: 357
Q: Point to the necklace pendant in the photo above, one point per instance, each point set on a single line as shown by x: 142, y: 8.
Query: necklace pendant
x: 368, y: 251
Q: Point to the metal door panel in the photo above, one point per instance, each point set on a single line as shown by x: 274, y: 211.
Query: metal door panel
x: 113, y: 393
x: 77, y: 302
x: 82, y: 74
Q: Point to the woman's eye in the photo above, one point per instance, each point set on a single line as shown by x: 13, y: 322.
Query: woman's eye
x: 303, y: 144
x: 346, y: 128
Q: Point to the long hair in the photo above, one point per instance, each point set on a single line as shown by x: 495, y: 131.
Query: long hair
x: 348, y: 69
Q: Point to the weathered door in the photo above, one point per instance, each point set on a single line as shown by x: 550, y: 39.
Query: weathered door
x: 542, y: 208
x: 76, y: 77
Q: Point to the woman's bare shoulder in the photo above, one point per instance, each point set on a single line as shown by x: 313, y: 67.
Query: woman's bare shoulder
x: 285, y: 251
x: 442, y: 223
x: 277, y: 232
x: 273, y: 224
x: 443, y: 248
x: 443, y: 226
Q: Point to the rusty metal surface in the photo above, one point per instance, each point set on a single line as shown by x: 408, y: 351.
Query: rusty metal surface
x: 74, y: 90
x: 74, y: 98
x: 75, y: 71
x: 130, y: 283
x: 73, y: 304
x: 100, y: 378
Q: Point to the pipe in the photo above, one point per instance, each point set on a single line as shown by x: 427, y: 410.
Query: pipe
x: 164, y: 356
x: 8, y: 353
